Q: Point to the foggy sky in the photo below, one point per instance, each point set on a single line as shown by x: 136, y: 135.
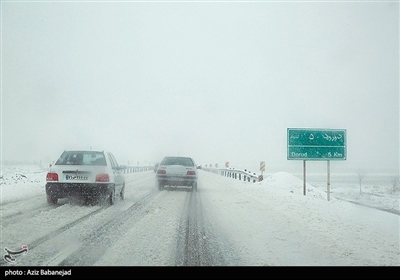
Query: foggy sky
x: 217, y: 81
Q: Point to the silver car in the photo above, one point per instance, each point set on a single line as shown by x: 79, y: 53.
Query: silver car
x: 177, y: 171
x: 90, y: 175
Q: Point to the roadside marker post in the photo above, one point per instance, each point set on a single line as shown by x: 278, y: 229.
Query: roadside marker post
x: 262, y: 168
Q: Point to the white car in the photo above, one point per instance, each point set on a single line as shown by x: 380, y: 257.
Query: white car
x: 177, y: 171
x: 91, y: 175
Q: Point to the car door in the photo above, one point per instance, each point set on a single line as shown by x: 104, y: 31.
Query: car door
x: 119, y: 178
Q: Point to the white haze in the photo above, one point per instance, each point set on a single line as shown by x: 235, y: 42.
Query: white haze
x: 218, y: 81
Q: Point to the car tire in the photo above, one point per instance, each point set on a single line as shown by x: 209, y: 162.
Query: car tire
x: 111, y: 197
x: 52, y: 200
x: 122, y: 193
x: 160, y: 186
x: 194, y: 187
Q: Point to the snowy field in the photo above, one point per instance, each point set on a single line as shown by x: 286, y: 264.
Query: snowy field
x: 376, y: 190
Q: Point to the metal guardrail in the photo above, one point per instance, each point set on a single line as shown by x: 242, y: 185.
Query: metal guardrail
x: 134, y: 169
x: 239, y: 174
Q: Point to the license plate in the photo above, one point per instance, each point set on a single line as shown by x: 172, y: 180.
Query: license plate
x: 76, y: 177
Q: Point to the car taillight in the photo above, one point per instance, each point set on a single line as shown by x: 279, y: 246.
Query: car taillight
x: 161, y: 171
x: 51, y: 176
x: 191, y: 172
x: 102, y: 178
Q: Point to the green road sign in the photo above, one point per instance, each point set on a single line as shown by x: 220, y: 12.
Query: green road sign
x: 316, y: 144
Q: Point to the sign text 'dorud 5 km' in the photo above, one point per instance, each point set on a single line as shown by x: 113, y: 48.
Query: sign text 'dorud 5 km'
x: 316, y: 144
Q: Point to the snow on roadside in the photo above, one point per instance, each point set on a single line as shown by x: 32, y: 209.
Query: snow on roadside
x: 21, y: 181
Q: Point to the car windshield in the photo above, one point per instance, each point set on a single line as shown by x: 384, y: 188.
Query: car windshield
x: 185, y: 161
x: 82, y: 158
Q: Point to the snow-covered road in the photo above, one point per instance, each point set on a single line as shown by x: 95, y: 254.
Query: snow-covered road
x: 225, y: 223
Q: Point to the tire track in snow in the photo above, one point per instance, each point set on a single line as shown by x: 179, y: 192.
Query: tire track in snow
x: 196, y: 245
x: 58, y: 231
x: 98, y: 241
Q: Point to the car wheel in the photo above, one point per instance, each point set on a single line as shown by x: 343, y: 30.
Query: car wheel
x: 122, y: 193
x: 111, y: 198
x: 194, y: 187
x: 51, y: 199
x: 160, y: 186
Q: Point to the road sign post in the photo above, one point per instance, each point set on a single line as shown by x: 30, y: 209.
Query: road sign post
x: 328, y: 184
x: 316, y: 144
x: 304, y: 177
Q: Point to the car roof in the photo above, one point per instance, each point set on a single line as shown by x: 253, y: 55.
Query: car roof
x: 176, y: 157
x: 76, y: 150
